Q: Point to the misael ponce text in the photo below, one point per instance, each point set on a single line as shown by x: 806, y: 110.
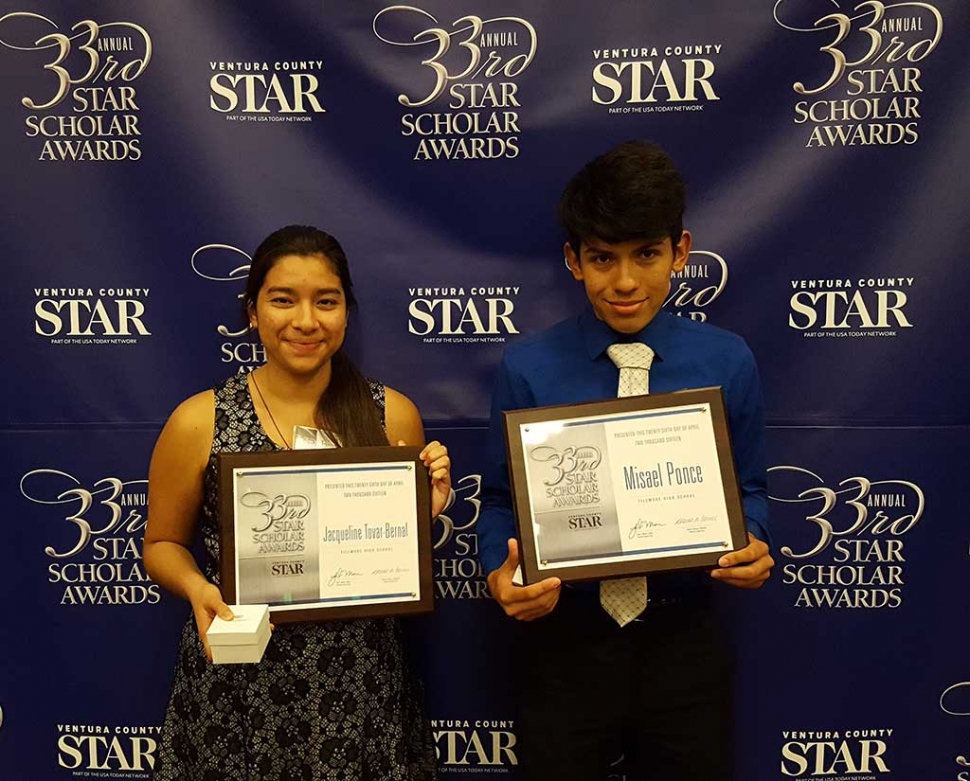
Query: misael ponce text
x: 634, y: 478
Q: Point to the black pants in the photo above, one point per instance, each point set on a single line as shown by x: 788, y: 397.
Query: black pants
x: 656, y: 692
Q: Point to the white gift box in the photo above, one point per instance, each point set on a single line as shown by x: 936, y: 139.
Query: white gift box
x: 242, y: 640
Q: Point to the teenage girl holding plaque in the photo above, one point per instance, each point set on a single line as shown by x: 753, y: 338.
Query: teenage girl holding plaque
x: 328, y: 700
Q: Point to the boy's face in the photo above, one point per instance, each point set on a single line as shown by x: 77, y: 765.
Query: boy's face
x: 628, y: 282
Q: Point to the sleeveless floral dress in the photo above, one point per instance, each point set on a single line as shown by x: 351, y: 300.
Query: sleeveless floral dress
x: 328, y: 702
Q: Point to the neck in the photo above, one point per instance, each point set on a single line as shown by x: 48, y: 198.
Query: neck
x: 293, y: 389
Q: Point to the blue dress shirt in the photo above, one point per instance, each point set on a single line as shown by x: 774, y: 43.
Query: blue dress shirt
x: 568, y: 364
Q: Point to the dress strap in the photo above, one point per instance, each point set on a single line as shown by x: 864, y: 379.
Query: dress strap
x: 380, y: 399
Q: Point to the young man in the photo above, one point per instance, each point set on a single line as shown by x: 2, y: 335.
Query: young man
x: 658, y: 689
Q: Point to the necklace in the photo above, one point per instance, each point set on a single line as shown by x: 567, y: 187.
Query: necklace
x: 269, y: 411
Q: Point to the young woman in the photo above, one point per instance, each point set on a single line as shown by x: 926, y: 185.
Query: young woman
x: 328, y: 701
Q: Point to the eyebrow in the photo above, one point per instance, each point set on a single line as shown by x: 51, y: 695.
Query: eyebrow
x: 323, y: 291
x: 607, y: 248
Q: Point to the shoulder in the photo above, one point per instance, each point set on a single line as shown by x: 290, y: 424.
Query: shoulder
x: 557, y: 340
x: 709, y: 340
x: 191, y: 423
x: 402, y: 418
x: 195, y: 410
x: 184, y: 445
x: 686, y: 328
x: 716, y: 356
x: 398, y: 403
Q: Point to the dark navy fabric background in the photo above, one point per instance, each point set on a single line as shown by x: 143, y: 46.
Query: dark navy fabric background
x: 842, y: 262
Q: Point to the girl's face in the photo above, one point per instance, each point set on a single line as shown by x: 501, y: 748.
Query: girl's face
x: 301, y: 313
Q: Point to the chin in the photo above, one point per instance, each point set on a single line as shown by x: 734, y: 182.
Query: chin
x: 306, y: 367
x: 626, y: 326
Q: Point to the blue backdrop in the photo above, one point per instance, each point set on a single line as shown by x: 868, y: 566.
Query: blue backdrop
x: 148, y: 147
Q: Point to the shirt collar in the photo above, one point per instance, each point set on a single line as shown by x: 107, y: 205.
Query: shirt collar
x: 597, y: 335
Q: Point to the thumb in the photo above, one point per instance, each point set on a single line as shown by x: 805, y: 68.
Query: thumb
x: 216, y: 607
x: 513, y: 558
x: 401, y: 443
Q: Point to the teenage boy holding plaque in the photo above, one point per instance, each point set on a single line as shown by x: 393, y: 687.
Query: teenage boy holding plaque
x: 614, y: 668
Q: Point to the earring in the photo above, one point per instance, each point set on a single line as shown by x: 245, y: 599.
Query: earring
x: 565, y: 262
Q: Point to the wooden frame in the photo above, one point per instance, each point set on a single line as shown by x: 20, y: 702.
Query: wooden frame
x: 703, y: 407
x: 278, y: 467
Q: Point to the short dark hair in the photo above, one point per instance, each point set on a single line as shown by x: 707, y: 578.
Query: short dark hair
x: 633, y: 191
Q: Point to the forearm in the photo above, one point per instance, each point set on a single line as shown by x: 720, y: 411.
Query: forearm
x: 174, y: 568
x: 496, y: 523
x: 756, y: 517
x: 495, y: 527
x: 748, y: 435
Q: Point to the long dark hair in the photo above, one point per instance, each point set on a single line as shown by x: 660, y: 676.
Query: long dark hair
x: 346, y: 408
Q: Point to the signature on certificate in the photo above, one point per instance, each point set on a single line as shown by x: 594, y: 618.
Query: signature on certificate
x: 390, y: 574
x: 342, y: 576
x: 696, y: 519
x: 641, y: 526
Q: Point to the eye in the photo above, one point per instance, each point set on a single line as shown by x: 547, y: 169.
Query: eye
x: 329, y: 302
x: 649, y: 253
x: 281, y: 300
x: 600, y: 259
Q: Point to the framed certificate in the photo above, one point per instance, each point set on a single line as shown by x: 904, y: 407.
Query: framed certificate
x: 624, y: 487
x: 326, y: 534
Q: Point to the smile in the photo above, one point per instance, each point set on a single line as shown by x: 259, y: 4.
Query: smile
x: 304, y: 347
x: 626, y: 307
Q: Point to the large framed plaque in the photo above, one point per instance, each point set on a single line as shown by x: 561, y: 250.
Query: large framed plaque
x: 326, y: 534
x: 624, y: 487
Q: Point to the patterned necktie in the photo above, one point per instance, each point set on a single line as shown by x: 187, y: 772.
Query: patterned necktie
x: 626, y: 598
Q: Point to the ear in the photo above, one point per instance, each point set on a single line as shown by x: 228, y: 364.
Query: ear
x: 251, y: 314
x: 572, y: 262
x: 682, y: 251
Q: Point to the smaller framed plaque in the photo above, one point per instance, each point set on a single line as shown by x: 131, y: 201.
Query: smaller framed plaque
x: 326, y: 534
x: 624, y: 487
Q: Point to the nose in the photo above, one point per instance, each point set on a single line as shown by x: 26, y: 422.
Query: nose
x: 624, y: 280
x: 303, y: 317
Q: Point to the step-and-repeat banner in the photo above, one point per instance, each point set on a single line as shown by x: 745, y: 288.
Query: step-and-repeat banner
x: 148, y: 147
